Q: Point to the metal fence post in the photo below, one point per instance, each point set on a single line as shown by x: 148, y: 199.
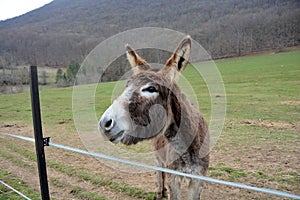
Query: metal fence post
x: 40, y: 142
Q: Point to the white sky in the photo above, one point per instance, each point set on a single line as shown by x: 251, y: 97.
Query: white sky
x: 13, y: 8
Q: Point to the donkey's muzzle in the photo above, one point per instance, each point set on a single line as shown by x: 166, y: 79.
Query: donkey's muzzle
x: 110, y: 129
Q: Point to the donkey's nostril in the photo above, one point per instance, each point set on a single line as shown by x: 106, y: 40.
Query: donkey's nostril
x: 106, y: 123
x: 109, y: 124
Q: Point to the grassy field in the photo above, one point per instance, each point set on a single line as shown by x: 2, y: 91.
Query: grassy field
x: 259, y: 145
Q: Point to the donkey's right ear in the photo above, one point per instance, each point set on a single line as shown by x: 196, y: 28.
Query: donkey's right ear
x: 136, y: 62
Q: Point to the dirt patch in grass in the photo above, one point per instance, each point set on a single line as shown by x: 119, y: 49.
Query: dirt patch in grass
x: 291, y: 103
x: 118, y: 185
x: 64, y: 181
x: 269, y: 124
x: 21, y: 173
x: 271, y: 165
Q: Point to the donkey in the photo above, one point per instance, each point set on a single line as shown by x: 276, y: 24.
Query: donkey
x: 153, y: 107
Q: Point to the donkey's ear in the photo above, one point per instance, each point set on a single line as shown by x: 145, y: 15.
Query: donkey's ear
x: 179, y: 60
x: 136, y: 62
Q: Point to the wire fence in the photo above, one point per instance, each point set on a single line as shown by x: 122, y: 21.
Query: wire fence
x: 203, y: 178
x: 15, y: 190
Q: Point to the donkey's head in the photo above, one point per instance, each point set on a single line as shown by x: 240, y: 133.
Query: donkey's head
x: 148, y: 105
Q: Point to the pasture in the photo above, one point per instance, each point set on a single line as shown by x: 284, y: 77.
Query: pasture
x: 259, y: 145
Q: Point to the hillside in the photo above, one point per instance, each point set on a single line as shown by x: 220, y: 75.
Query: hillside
x: 68, y: 29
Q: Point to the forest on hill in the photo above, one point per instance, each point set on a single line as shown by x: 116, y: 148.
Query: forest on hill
x: 66, y: 30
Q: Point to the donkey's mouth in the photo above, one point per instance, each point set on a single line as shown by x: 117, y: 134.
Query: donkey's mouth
x: 116, y: 138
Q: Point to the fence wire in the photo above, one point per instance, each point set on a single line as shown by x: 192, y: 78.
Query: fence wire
x: 16, y: 191
x: 203, y: 178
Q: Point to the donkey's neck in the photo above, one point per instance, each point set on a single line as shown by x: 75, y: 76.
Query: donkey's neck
x: 184, y: 123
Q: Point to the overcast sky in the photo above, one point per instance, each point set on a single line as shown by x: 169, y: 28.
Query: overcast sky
x: 13, y: 8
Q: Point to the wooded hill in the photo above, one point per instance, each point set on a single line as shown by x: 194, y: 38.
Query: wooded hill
x: 66, y: 30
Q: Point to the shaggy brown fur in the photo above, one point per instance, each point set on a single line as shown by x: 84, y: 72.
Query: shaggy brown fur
x: 184, y: 146
x: 180, y: 134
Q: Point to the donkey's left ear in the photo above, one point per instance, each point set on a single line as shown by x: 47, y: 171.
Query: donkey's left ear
x: 179, y: 60
x: 136, y: 62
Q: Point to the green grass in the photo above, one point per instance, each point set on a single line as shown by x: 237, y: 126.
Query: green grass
x: 82, y: 194
x: 57, y: 182
x: 255, y: 86
x: 10, y: 157
x: 230, y: 172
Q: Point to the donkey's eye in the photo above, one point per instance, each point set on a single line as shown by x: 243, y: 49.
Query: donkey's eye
x: 150, y: 89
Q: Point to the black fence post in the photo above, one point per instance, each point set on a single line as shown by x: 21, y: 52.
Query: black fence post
x: 38, y: 134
